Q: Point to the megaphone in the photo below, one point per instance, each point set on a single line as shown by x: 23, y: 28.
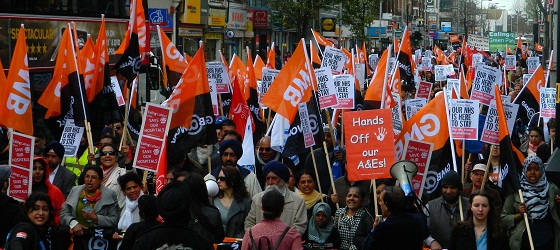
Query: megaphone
x: 404, y: 171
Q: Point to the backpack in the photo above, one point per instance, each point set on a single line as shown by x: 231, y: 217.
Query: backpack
x: 257, y: 247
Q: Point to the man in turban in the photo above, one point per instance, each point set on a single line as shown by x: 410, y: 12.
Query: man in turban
x: 61, y: 177
x: 294, y: 213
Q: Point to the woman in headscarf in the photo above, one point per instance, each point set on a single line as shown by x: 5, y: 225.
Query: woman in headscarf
x: 306, y: 184
x: 41, y: 184
x: 321, y: 234
x: 541, y: 201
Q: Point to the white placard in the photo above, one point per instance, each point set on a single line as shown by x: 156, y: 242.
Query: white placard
x: 218, y: 72
x: 308, y: 139
x: 479, y: 42
x: 413, y: 105
x: 511, y: 62
x: 426, y: 64
x: 373, y: 60
x: 345, y: 93
x: 548, y: 102
x: 456, y: 84
x: 360, y: 73
x: 440, y: 74
x: 476, y: 59
x: 464, y: 119
x: 117, y: 90
x: 333, y: 59
x: 490, y: 132
x: 397, y: 114
x: 71, y: 137
x: 214, y: 96
x: 326, y: 89
x: 483, y: 84
x: 526, y: 78
x: 532, y: 64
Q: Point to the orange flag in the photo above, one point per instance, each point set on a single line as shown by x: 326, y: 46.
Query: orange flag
x: 292, y: 85
x: 172, y: 59
x: 363, y: 58
x: 101, y: 59
x: 375, y: 89
x: 87, y: 67
x: 193, y: 83
x: 271, y: 57
x: 396, y: 45
x: 321, y: 40
x: 314, y: 55
x: 509, y: 52
x: 136, y: 24
x: 258, y: 66
x: 538, y: 47
x: 50, y: 98
x: 16, y: 98
x: 2, y: 77
x: 161, y: 168
x: 239, y: 70
x: 250, y: 79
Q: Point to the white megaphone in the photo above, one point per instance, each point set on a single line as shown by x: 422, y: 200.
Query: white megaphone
x: 404, y: 171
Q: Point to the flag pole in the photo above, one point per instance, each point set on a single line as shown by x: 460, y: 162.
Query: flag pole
x: 530, y: 236
x: 315, y: 167
x: 209, y: 159
x: 330, y: 169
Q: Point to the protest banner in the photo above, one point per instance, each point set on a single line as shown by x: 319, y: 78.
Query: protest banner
x: 476, y: 59
x: 533, y: 63
x: 373, y: 60
x: 333, y: 59
x: 499, y: 40
x: 440, y: 74
x: 455, y: 84
x: 308, y: 139
x: 490, y: 133
x: 510, y: 110
x: 117, y: 90
x: 268, y: 76
x: 464, y: 119
x: 418, y: 55
x: 325, y: 88
x: 345, y: 93
x: 479, y: 42
x: 367, y: 153
x: 484, y: 80
x: 360, y: 74
x: 526, y: 78
x: 426, y: 64
x: 71, y: 137
x: 155, y: 127
x: 449, y: 70
x: 218, y: 72
x: 21, y: 163
x: 413, y: 105
x: 511, y: 62
x: 214, y: 96
x: 420, y: 153
x: 424, y: 90
x: 548, y: 102
x: 397, y: 114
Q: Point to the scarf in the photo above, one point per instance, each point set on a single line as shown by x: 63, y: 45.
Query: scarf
x: 315, y: 233
x: 107, y: 174
x: 533, y: 147
x: 311, y: 199
x: 535, y: 195
x: 92, y: 198
x: 127, y: 217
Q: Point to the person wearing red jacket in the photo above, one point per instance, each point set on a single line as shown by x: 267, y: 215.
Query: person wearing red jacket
x: 41, y: 184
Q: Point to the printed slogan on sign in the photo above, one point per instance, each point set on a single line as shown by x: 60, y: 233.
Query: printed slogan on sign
x: 367, y: 135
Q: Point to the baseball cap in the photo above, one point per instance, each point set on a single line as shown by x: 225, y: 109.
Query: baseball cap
x: 480, y: 166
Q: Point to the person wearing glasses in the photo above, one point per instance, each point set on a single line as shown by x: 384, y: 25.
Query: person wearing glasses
x: 264, y: 155
x: 90, y: 206
x: 108, y: 155
x: 233, y: 201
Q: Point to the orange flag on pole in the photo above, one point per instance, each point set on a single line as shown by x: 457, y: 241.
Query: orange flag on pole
x: 193, y: 83
x: 271, y: 57
x: 172, y: 60
x: 292, y: 86
x: 321, y: 40
x: 258, y: 65
x: 16, y: 97
x: 101, y: 59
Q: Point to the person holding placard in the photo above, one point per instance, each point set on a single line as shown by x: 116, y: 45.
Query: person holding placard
x: 9, y: 207
x: 541, y: 203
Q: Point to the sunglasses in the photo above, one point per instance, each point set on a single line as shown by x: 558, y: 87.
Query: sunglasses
x: 221, y: 178
x: 265, y: 149
x: 106, y: 153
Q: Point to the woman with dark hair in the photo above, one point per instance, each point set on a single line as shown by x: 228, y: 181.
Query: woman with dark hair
x: 536, y: 139
x: 306, y: 184
x: 37, y: 230
x: 131, y: 186
x: 232, y: 201
x: 205, y: 218
x: 271, y: 229
x: 347, y: 219
x: 541, y: 200
x: 320, y: 232
x: 482, y: 228
x: 41, y: 184
x: 90, y: 206
x: 108, y: 155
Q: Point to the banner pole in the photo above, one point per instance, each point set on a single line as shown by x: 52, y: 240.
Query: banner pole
x: 330, y: 169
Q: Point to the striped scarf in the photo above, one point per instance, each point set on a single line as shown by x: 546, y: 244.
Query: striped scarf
x: 535, y: 195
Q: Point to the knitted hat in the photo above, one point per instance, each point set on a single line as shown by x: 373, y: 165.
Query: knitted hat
x: 173, y: 202
x: 277, y: 168
x: 234, y: 145
x: 453, y: 179
x: 56, y: 147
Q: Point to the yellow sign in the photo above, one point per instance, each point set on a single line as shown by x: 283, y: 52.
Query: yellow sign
x: 217, y: 17
x: 191, y: 12
x: 558, y: 93
x: 213, y: 36
x: 328, y: 24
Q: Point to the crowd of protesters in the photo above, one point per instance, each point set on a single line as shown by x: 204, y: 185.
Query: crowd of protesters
x: 98, y: 201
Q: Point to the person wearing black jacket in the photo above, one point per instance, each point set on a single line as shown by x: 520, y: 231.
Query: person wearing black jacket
x: 9, y: 208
